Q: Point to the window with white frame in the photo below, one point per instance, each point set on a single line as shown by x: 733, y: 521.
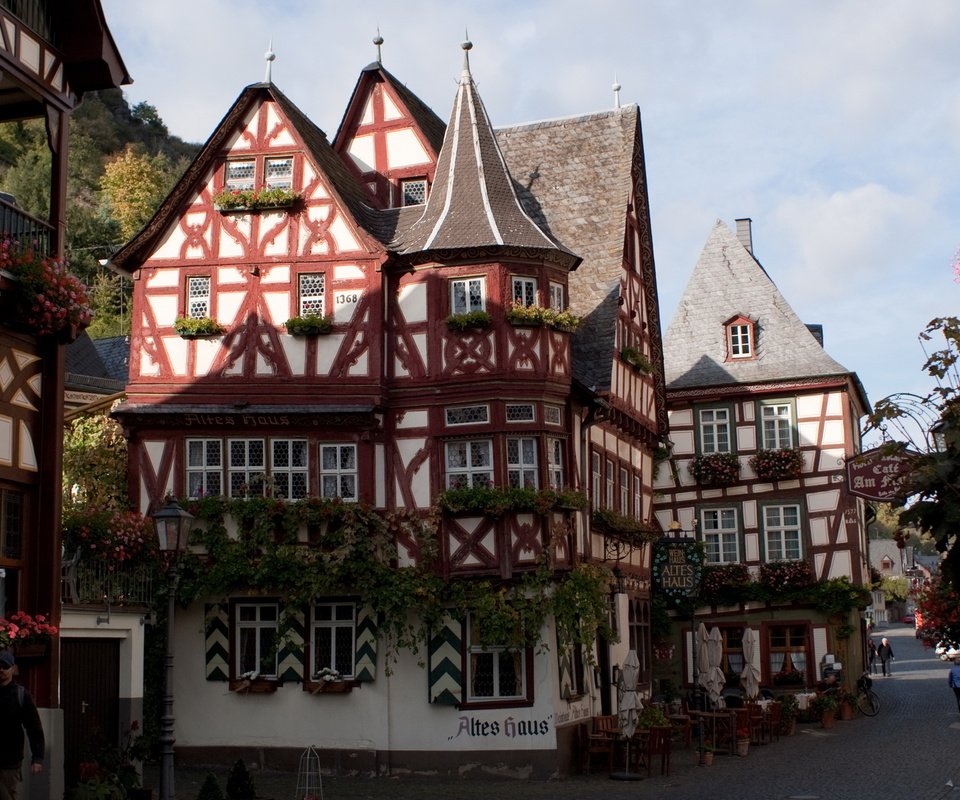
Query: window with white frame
x: 289, y: 468
x: 638, y: 628
x: 255, y: 634
x: 494, y: 672
x: 781, y: 532
x: 522, y: 462
x: 198, y: 296
x: 714, y: 430
x: 413, y: 192
x: 777, y: 426
x: 240, y: 175
x: 524, y: 291
x: 467, y: 294
x: 721, y: 535
x: 246, y: 468
x: 596, y: 475
x: 204, y: 467
x: 278, y: 172
x: 610, y: 476
x: 637, y: 497
x: 333, y: 638
x: 555, y: 471
x: 624, y: 491
x: 469, y: 463
x: 311, y: 286
x: 556, y: 297
x: 338, y: 471
x: 740, y: 337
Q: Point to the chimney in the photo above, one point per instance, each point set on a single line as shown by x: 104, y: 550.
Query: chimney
x: 745, y: 233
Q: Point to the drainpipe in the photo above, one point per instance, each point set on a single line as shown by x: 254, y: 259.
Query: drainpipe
x: 595, y: 414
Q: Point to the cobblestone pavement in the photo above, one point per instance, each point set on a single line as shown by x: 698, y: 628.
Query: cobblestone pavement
x: 908, y: 752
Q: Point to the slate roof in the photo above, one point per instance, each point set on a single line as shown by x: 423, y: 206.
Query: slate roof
x: 85, y: 368
x: 728, y: 281
x: 472, y: 203
x: 573, y: 177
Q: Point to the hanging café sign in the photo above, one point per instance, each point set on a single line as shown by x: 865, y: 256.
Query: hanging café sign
x: 878, y: 474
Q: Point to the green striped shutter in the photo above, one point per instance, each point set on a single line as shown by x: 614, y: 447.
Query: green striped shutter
x: 290, y: 657
x: 443, y: 665
x: 216, y: 629
x: 365, y: 668
x: 565, y: 669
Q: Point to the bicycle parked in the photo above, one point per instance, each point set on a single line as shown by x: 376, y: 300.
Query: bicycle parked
x: 867, y: 700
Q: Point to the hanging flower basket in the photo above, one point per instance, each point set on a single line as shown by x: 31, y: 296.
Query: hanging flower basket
x: 777, y: 465
x: 28, y: 636
x: 716, y: 469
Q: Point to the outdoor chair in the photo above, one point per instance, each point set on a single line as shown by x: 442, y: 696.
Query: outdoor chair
x: 658, y: 744
x: 602, y: 740
x: 772, y: 721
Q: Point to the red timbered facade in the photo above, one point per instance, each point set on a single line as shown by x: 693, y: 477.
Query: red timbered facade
x: 421, y: 245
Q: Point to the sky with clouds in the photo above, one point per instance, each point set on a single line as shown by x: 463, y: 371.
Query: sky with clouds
x: 833, y: 124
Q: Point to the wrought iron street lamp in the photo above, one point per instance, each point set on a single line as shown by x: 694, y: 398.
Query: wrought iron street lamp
x: 173, y: 530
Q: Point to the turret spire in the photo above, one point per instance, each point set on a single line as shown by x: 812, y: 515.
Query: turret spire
x: 378, y: 40
x: 270, y: 57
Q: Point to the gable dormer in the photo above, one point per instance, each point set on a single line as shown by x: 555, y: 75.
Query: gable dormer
x: 740, y: 334
x: 389, y: 139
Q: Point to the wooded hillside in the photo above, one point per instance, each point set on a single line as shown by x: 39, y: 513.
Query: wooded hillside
x: 123, y: 161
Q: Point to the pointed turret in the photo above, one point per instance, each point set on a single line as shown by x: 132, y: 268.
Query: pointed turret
x: 473, y: 203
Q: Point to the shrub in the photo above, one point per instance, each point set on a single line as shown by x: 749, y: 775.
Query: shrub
x: 240, y: 783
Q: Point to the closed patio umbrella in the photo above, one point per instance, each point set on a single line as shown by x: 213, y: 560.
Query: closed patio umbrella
x: 630, y: 704
x: 750, y: 677
x: 703, y: 657
x: 715, y: 676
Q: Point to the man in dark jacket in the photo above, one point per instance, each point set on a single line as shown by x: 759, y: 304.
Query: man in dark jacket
x: 885, y: 654
x: 18, y: 713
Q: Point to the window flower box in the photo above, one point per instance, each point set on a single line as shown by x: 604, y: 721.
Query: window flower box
x: 636, y: 359
x: 196, y: 327
x: 254, y: 200
x: 328, y: 687
x: 777, y: 465
x: 29, y: 636
x: 253, y: 685
x: 538, y: 316
x: 716, y: 469
x: 468, y: 321
x: 309, y: 325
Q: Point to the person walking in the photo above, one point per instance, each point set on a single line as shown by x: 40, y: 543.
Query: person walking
x: 872, y: 656
x: 885, y: 654
x: 18, y: 713
x: 954, y: 680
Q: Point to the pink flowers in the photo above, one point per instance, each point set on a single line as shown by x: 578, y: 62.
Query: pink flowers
x: 117, y: 536
x: 21, y: 628
x: 51, y: 299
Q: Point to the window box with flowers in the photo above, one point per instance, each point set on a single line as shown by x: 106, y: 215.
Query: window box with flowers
x: 469, y: 320
x: 254, y: 200
x: 636, y: 359
x: 777, y: 465
x: 197, y: 327
x: 789, y: 677
x: 252, y: 683
x: 328, y: 681
x: 716, y: 469
x: 536, y: 316
x: 28, y: 636
x: 49, y: 300
x: 309, y: 325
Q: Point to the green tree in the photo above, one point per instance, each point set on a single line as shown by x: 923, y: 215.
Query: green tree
x: 94, y: 464
x: 895, y: 588
x: 931, y: 490
x: 134, y: 184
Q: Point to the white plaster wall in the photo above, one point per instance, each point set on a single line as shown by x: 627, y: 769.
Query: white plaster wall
x: 404, y: 149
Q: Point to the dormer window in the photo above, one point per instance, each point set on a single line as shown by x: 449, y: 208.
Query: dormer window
x: 741, y: 338
x: 413, y: 192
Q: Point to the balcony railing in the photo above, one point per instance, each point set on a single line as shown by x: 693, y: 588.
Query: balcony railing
x: 94, y: 583
x: 17, y: 224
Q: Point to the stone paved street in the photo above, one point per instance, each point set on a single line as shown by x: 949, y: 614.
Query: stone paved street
x: 910, y: 751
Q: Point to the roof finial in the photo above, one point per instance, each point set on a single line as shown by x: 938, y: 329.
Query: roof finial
x: 378, y: 40
x: 616, y: 91
x: 467, y: 46
x: 270, y: 56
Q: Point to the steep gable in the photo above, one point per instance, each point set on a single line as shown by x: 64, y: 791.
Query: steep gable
x: 727, y: 281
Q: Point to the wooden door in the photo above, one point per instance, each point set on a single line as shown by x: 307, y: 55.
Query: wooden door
x: 90, y: 697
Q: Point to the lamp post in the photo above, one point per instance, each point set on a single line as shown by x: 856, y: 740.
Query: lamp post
x: 173, y: 529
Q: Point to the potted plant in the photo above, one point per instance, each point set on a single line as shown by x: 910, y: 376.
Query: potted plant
x: 309, y: 325
x: 28, y: 636
x: 789, y: 708
x: 652, y: 717
x: 825, y: 707
x: 716, y: 469
x: 468, y: 320
x: 195, y: 327
x: 743, y: 742
x: 777, y: 465
x: 705, y: 756
x: 847, y: 706
x: 254, y: 199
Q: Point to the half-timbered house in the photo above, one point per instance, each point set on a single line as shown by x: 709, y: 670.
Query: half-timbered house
x: 439, y: 273
x: 50, y: 55
x: 762, y: 422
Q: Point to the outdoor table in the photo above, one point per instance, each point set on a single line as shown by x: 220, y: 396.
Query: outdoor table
x: 723, y: 727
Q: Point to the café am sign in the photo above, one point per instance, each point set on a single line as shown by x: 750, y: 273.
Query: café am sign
x: 875, y: 475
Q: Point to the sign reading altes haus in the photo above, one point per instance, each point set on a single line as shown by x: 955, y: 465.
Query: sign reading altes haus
x: 875, y: 476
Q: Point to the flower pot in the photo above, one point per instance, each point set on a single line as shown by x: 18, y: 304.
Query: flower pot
x: 789, y: 727
x: 743, y: 747
x: 828, y: 719
x: 707, y: 758
x: 28, y: 651
x: 846, y: 712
